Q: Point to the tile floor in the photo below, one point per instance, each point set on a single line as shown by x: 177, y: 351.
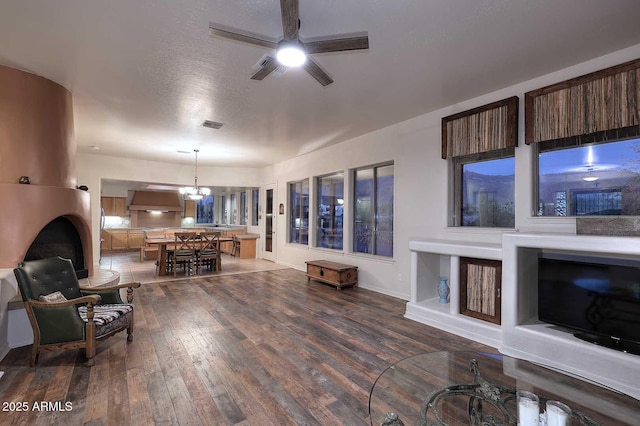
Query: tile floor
x: 128, y: 265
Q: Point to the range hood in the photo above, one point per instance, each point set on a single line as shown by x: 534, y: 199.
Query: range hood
x: 156, y: 200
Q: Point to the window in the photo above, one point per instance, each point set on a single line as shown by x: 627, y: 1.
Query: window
x: 204, y: 210
x: 484, y: 187
x: 373, y: 210
x: 480, y: 144
x: 330, y: 211
x: 243, y: 208
x: 585, y: 131
x: 594, y: 180
x: 254, y: 207
x: 299, y: 212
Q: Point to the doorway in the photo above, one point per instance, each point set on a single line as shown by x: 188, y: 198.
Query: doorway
x: 269, y: 252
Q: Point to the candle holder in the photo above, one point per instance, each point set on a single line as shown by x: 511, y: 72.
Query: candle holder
x: 482, y: 391
x: 558, y: 414
x: 528, y: 408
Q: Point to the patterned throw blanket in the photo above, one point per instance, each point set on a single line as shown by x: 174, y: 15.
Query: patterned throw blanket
x: 104, y: 314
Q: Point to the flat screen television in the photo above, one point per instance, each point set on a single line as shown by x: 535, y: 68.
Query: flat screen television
x: 597, y: 298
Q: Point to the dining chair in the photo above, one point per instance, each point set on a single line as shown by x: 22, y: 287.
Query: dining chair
x: 209, y: 253
x: 235, y: 248
x: 184, y: 252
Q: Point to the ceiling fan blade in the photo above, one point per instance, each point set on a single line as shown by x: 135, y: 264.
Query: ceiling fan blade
x: 244, y: 36
x: 316, y: 72
x: 269, y: 65
x: 290, y: 19
x: 338, y: 43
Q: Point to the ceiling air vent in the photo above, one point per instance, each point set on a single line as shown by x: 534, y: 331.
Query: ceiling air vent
x: 280, y: 70
x: 212, y: 124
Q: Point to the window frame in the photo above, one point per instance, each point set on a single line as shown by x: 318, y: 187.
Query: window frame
x: 565, y: 145
x: 374, y: 215
x: 318, y: 224
x: 456, y: 183
x: 202, y: 205
x: 292, y: 229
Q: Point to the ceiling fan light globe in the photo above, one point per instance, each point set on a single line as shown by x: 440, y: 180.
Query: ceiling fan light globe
x: 291, y: 55
x: 590, y: 178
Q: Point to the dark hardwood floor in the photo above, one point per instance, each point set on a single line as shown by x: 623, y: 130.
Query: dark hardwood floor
x: 264, y: 348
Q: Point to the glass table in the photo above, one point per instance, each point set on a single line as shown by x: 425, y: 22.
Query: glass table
x: 479, y: 388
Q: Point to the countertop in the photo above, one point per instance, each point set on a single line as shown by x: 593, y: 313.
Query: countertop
x: 248, y: 236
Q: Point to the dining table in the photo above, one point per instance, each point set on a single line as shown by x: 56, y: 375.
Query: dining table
x: 164, y: 245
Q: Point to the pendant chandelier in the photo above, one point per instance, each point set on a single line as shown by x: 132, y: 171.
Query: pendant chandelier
x: 194, y: 192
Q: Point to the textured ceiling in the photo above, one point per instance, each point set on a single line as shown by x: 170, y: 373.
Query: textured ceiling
x: 145, y: 74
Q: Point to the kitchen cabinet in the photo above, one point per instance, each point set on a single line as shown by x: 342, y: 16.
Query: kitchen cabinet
x: 114, y: 206
x: 135, y: 239
x: 119, y: 239
x: 105, y: 237
x: 123, y: 239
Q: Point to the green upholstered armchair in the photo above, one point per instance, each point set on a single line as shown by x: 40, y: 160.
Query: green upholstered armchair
x: 64, y: 315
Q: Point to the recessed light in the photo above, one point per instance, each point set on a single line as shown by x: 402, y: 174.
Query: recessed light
x: 94, y: 147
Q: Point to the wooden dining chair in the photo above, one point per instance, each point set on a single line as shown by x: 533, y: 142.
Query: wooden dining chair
x: 184, y: 252
x: 209, y: 253
x: 235, y: 248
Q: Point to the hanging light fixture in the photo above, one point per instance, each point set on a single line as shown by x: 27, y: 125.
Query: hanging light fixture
x: 194, y: 192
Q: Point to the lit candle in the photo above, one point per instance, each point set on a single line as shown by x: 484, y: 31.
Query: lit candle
x: 558, y: 414
x: 528, y: 409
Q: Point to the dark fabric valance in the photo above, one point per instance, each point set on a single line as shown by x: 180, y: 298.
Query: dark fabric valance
x: 487, y: 128
x: 599, y: 103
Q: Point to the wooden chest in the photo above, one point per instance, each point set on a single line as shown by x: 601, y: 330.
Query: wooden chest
x: 333, y: 273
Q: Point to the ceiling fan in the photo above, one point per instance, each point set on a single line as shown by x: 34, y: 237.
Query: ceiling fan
x: 291, y: 51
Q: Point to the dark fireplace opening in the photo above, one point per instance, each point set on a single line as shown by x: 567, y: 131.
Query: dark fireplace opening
x: 59, y: 238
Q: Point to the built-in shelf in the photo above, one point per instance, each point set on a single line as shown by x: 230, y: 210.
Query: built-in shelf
x: 520, y: 334
x: 458, y: 248
x: 433, y: 259
x: 527, y: 338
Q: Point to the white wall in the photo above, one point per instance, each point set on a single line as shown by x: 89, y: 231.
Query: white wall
x: 421, y: 179
x: 420, y: 182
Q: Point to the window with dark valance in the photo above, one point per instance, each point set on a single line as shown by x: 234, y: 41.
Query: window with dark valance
x: 585, y: 132
x: 480, y: 144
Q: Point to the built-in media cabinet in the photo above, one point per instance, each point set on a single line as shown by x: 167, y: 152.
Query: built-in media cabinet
x: 521, y: 333
x: 433, y: 259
